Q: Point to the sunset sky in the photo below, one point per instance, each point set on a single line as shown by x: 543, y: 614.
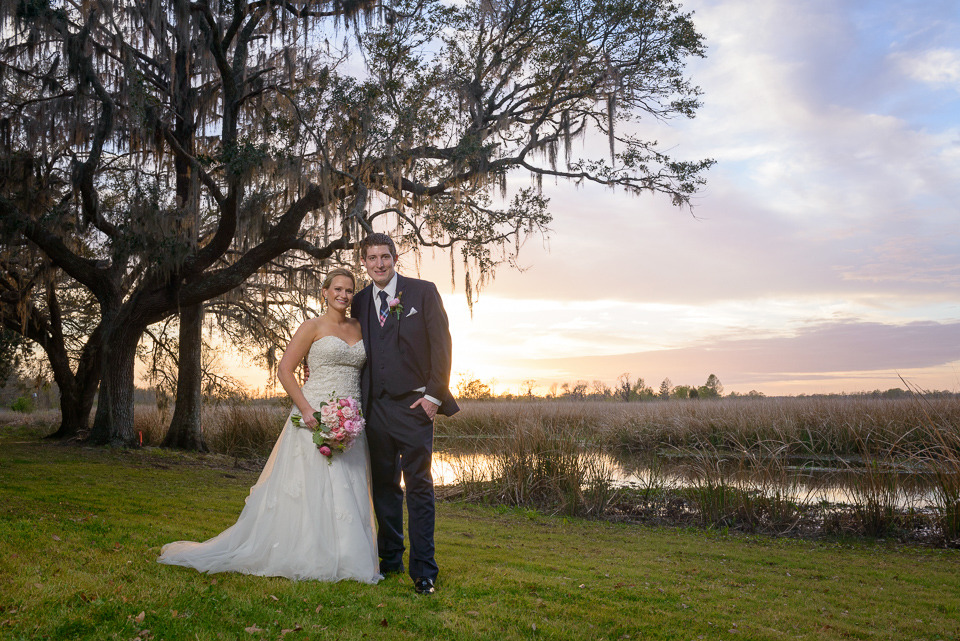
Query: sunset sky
x: 821, y: 257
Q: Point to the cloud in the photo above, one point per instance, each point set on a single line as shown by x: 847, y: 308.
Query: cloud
x: 911, y: 260
x: 935, y: 66
x: 815, y: 195
x: 819, y: 352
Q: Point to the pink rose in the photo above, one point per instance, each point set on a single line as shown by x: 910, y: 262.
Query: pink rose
x: 327, y: 411
x: 347, y: 412
x: 344, y: 402
x: 326, y: 451
x: 393, y: 302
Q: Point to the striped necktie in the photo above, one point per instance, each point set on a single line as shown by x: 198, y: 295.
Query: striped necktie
x: 384, y: 308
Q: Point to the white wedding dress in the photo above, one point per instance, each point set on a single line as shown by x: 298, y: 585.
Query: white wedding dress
x: 305, y: 518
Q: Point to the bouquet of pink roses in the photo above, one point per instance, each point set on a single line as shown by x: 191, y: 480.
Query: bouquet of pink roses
x: 339, y: 422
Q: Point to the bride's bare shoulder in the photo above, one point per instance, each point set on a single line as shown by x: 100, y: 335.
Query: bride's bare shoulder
x: 313, y: 328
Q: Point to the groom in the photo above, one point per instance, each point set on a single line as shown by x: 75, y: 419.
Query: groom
x: 405, y: 383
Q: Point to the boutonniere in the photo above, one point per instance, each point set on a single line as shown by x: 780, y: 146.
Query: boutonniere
x: 396, y: 307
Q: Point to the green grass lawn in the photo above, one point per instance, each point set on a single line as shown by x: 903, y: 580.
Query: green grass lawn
x: 80, y: 530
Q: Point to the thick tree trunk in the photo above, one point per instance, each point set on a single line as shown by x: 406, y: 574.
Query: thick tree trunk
x: 113, y: 423
x: 185, y: 431
x: 75, y: 414
x: 77, y: 391
x: 74, y: 417
x: 185, y: 428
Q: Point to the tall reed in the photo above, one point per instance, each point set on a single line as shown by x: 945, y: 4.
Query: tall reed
x: 810, y: 426
x: 774, y: 495
x: 543, y: 465
x: 942, y: 462
x: 878, y: 493
x: 710, y: 486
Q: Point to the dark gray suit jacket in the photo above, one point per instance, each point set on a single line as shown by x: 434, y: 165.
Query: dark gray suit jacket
x: 424, y: 343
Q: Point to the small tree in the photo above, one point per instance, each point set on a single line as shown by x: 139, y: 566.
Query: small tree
x: 641, y: 392
x: 599, y: 390
x: 472, y: 388
x: 680, y: 392
x: 624, y: 387
x: 665, y: 387
x: 712, y: 389
x: 579, y: 391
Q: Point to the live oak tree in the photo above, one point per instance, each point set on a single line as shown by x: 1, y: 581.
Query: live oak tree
x: 39, y: 303
x: 178, y: 149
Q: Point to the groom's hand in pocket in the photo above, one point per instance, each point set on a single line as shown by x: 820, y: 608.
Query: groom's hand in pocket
x: 428, y: 406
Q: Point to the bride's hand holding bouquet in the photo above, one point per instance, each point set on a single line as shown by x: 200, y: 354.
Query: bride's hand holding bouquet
x: 336, y: 426
x: 306, y: 419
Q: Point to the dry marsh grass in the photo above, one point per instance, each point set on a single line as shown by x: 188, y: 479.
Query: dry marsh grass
x: 743, y: 462
x: 238, y: 430
x: 809, y: 425
x: 31, y: 422
x: 243, y: 430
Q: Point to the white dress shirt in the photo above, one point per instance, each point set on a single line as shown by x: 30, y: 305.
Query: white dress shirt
x: 391, y: 290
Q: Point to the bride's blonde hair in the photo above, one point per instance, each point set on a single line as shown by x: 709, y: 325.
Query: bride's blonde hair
x: 338, y: 271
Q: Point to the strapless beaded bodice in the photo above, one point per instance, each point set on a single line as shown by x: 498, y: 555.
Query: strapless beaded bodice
x: 334, y: 369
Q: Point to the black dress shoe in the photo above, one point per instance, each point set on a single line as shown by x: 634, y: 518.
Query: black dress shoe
x: 424, y: 586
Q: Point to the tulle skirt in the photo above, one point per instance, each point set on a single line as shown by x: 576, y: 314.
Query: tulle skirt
x: 304, y: 519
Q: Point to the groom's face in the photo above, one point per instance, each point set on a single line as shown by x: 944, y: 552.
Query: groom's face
x: 380, y: 264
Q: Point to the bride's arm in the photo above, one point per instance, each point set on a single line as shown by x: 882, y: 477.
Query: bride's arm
x: 296, y: 351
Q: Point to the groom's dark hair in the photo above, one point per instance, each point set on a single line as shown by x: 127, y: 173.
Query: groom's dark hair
x: 375, y: 240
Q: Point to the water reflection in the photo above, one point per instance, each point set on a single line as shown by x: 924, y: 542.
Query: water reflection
x: 841, y: 484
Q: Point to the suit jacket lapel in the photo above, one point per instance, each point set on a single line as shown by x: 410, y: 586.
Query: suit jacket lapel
x: 364, y: 309
x: 401, y: 282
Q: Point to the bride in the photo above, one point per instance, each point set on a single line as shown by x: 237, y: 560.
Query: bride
x: 305, y: 518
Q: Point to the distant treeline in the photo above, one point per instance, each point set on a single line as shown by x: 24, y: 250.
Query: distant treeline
x: 22, y: 393
x: 636, y: 390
